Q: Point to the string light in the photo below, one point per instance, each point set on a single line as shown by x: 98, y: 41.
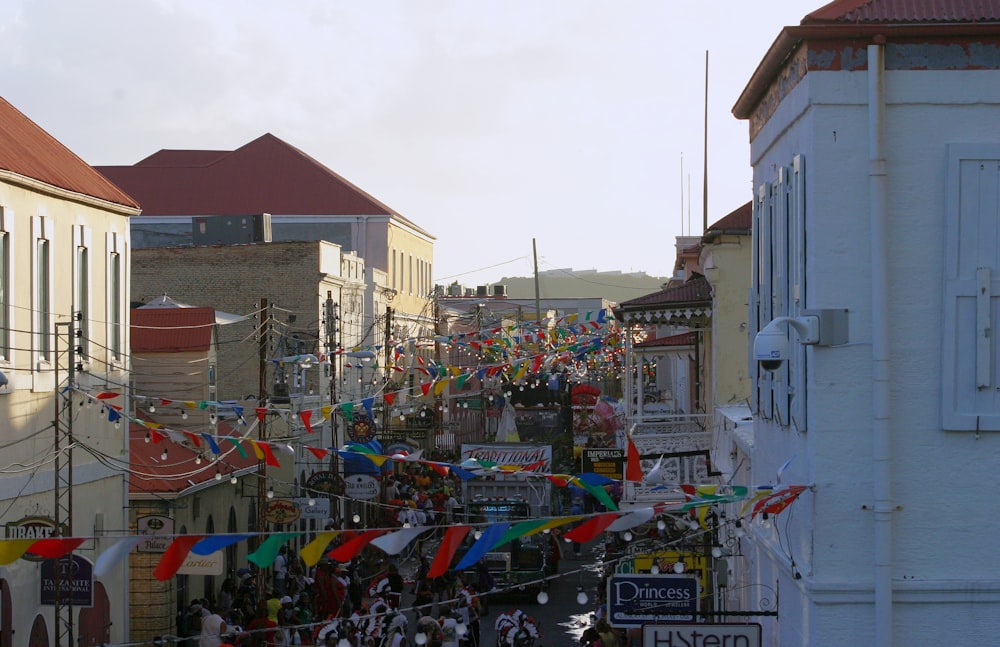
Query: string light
x: 270, y: 492
x: 163, y: 456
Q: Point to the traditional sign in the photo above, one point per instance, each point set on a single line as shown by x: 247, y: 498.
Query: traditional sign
x: 33, y: 528
x: 361, y: 486
x: 158, y: 530
x: 202, y: 564
x: 313, y: 508
x: 634, y: 600
x: 606, y: 462
x: 326, y: 483
x: 521, y: 454
x: 733, y: 635
x: 76, y: 573
x: 281, y: 511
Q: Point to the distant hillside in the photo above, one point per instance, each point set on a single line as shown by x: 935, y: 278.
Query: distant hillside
x: 569, y: 283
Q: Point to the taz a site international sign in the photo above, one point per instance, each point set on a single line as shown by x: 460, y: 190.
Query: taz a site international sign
x: 634, y: 600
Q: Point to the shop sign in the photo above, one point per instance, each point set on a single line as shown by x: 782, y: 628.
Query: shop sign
x: 73, y: 570
x: 361, y: 486
x: 33, y: 528
x: 606, y: 462
x: 634, y: 600
x: 319, y: 509
x: 281, y: 511
x: 326, y: 482
x: 202, y: 564
x: 157, y: 531
x: 735, y: 635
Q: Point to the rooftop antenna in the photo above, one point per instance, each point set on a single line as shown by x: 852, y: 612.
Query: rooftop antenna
x: 704, y: 215
x: 682, y: 194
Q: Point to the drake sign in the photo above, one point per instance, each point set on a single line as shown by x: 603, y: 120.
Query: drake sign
x: 33, y: 528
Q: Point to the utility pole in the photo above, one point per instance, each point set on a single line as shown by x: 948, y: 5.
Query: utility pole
x: 332, y: 352
x: 63, y: 468
x: 386, y: 417
x: 262, y: 401
x: 538, y: 307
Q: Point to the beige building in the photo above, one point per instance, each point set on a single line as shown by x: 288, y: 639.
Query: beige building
x: 64, y: 339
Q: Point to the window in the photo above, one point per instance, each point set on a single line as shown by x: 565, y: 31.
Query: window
x: 42, y: 285
x: 779, y: 288
x: 115, y: 296
x: 81, y: 291
x: 5, y: 285
x: 970, y: 393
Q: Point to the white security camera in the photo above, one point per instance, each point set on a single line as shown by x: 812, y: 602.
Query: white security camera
x: 771, y: 346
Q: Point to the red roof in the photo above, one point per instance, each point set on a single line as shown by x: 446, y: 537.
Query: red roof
x: 739, y: 220
x: 172, y: 330
x: 31, y: 152
x: 149, y: 473
x: 956, y: 20
x: 695, y: 291
x: 683, y: 339
x: 904, y: 11
x: 266, y: 175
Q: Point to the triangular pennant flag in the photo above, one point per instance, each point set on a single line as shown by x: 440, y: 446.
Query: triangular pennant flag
x: 269, y: 457
x: 312, y: 552
x: 389, y: 397
x: 115, y: 554
x: 55, y: 547
x: 591, y: 528
x: 449, y: 545
x: 393, y: 543
x: 261, y: 412
x: 348, y: 409
x: 440, y: 386
x: 318, y: 452
x: 523, y: 529
x: 633, y: 468
x: 425, y: 387
x: 306, y: 416
x: 258, y: 449
x: 11, y: 550
x: 267, y: 551
x: 368, y: 404
x: 461, y: 380
x: 211, y: 443
x: 346, y: 551
x: 239, y: 446
x: 325, y: 411
x: 214, y: 543
x: 173, y: 558
x: 486, y: 541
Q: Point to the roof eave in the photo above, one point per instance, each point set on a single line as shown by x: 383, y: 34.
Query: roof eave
x: 792, y: 37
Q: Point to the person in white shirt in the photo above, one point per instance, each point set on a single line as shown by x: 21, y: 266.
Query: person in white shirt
x: 212, y: 628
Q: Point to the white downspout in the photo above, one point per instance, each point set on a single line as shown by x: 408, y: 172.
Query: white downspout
x: 881, y: 450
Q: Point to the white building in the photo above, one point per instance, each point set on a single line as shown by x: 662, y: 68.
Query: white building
x: 64, y: 339
x: 875, y: 144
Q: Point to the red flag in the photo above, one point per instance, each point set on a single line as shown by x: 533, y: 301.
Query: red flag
x: 591, y: 528
x: 425, y: 387
x: 633, y: 470
x: 389, y: 398
x: 318, y: 452
x: 174, y: 556
x: 306, y: 416
x: 55, y: 547
x: 192, y: 437
x: 452, y: 540
x: 261, y: 412
x: 535, y: 365
x: 346, y: 551
x: 269, y: 455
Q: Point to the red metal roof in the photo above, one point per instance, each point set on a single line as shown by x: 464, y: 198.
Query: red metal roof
x: 904, y: 11
x: 29, y: 151
x: 740, y: 219
x: 266, y: 175
x: 171, y: 330
x: 149, y: 473
x: 696, y: 290
x: 683, y: 339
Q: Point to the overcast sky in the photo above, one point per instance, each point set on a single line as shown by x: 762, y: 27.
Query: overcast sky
x: 574, y: 123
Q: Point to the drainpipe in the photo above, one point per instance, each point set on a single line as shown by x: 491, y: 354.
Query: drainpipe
x: 881, y: 450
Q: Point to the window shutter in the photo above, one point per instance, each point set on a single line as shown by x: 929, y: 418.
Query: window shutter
x: 970, y: 393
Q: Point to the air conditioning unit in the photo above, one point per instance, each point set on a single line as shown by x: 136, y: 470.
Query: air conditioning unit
x: 481, y: 291
x: 499, y: 290
x: 455, y: 290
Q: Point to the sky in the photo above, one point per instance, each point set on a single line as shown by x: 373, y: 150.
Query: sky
x: 568, y: 130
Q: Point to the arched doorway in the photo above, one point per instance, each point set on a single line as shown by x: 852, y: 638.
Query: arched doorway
x: 6, y: 615
x: 39, y: 636
x: 95, y: 622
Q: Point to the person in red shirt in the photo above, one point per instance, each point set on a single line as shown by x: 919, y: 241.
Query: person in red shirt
x: 262, y: 629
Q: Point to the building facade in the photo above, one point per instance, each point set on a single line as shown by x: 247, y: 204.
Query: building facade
x: 875, y: 148
x: 64, y: 339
